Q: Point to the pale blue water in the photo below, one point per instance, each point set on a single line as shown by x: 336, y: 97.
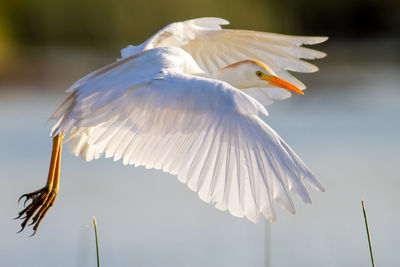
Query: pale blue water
x: 346, y: 128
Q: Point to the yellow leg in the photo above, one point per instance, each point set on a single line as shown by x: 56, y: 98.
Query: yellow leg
x: 43, y: 199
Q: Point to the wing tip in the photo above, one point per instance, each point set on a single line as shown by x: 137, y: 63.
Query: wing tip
x: 324, y: 38
x: 312, y: 40
x: 320, y: 55
x: 209, y: 21
x: 314, y: 183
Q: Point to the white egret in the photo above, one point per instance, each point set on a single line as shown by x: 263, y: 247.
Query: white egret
x: 187, y: 101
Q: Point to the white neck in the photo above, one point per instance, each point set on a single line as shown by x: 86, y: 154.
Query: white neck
x: 227, y: 75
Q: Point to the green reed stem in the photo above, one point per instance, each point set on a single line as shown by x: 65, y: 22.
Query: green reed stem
x: 369, y: 237
x: 97, y: 241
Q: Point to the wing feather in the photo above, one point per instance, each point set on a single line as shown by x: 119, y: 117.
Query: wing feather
x: 214, y: 48
x: 204, y: 131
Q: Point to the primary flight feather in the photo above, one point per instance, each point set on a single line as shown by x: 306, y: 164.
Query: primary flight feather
x: 187, y: 101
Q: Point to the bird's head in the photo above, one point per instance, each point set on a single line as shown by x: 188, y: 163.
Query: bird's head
x: 251, y: 73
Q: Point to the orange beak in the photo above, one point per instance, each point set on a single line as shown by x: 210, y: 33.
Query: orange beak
x: 278, y: 82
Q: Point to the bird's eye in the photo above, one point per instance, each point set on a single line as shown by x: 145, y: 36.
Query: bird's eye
x: 259, y: 73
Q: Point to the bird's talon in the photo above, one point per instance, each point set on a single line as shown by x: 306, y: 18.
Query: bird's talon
x: 42, y: 200
x: 19, y: 217
x: 34, y: 232
x: 21, y: 197
x: 27, y: 198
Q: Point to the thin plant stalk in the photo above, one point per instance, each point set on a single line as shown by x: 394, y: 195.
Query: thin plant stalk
x: 97, y: 241
x: 369, y: 237
x: 268, y: 245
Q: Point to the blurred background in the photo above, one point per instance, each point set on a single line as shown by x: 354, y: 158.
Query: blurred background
x: 346, y: 128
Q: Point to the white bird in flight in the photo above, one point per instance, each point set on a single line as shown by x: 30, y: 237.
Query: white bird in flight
x: 188, y: 102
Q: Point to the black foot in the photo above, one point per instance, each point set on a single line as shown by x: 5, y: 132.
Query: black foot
x: 42, y: 200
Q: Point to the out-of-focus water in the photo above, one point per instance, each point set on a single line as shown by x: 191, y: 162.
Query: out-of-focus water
x: 346, y: 128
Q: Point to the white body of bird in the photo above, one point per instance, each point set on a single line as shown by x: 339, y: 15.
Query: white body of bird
x: 188, y: 102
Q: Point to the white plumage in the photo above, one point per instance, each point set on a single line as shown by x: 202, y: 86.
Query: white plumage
x: 213, y: 48
x: 170, y: 104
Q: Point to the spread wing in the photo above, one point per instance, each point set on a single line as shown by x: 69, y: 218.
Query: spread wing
x: 204, y: 131
x: 213, y: 48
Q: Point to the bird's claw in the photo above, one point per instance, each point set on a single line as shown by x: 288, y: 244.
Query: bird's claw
x: 30, y: 196
x: 42, y: 200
